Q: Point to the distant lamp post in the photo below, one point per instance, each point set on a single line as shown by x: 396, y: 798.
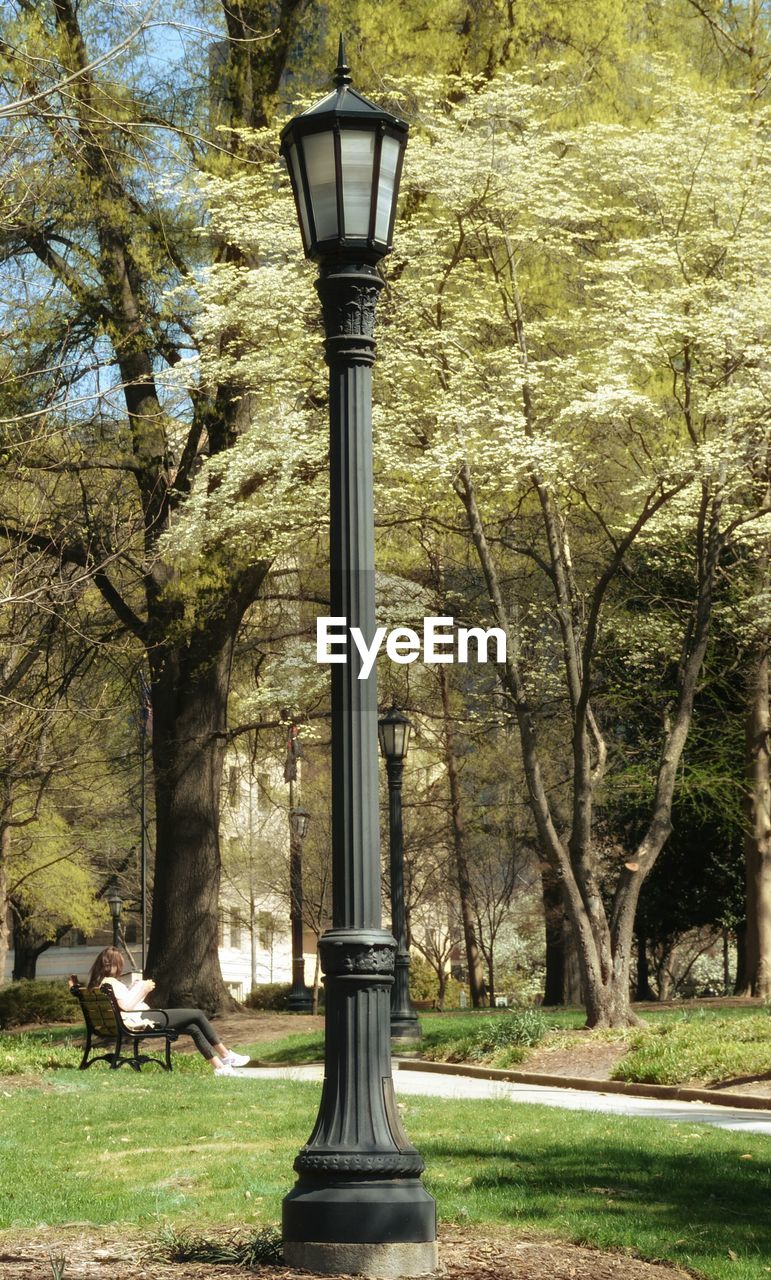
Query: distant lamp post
x: 300, y: 1000
x: 358, y: 1204
x: 299, y: 819
x: 394, y: 733
x: 115, y: 903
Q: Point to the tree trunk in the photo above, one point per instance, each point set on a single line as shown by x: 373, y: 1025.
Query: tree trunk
x: 189, y: 695
x: 442, y: 994
x: 473, y: 955
x: 644, y: 991
x: 757, y: 843
x: 572, y: 984
x: 5, y: 853
x: 665, y: 979
x: 316, y: 981
x: 741, y: 959
x: 27, y: 945
x: 553, y: 917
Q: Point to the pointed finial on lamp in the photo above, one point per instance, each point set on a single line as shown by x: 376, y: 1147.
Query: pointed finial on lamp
x: 342, y: 76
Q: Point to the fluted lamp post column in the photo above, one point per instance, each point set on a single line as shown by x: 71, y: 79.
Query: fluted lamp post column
x: 300, y: 1000
x: 358, y: 1205
x: 394, y: 733
x: 115, y: 903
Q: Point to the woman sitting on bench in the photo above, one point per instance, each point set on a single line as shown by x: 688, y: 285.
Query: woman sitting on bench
x: 108, y: 967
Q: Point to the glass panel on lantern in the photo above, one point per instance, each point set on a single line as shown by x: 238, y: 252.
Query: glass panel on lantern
x: 297, y: 183
x: 319, y: 150
x: 389, y: 158
x: 357, y: 150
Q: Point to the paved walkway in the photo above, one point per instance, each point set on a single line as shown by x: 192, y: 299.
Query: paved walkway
x: 426, y: 1083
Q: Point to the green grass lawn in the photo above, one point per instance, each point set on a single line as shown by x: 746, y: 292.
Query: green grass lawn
x: 702, y: 1046
x: 104, y: 1148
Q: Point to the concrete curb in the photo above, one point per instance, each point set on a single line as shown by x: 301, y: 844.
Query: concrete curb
x: 675, y: 1093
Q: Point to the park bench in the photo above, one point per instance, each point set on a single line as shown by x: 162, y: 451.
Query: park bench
x: 104, y: 1022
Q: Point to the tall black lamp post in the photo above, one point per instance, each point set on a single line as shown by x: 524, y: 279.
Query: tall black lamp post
x: 115, y: 903
x: 358, y: 1204
x: 299, y: 997
x: 394, y: 732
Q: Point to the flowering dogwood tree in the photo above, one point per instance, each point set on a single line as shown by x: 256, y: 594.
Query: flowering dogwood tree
x: 584, y: 313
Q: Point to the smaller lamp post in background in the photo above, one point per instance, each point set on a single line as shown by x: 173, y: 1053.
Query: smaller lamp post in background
x: 394, y: 733
x: 115, y: 903
x: 300, y: 1000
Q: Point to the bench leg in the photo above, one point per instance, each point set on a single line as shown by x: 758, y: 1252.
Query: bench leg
x: 168, y: 1054
x: 116, y: 1058
x: 84, y: 1062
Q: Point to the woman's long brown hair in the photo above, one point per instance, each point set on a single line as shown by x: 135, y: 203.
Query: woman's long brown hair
x: 108, y: 964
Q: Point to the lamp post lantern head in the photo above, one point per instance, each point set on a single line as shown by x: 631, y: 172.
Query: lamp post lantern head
x: 299, y: 819
x: 114, y: 900
x: 393, y: 731
x: 344, y: 157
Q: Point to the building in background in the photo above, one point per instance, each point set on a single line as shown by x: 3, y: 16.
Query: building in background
x: 255, y: 945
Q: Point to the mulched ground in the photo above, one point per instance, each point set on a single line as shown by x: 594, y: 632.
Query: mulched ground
x: 501, y: 1255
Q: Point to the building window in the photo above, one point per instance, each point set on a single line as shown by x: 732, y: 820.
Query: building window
x: 132, y: 933
x: 236, y: 925
x: 266, y: 927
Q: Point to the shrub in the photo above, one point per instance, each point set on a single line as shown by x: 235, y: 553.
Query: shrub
x: 496, y: 1041
x: 33, y: 1000
x: 270, y: 996
x: 424, y: 985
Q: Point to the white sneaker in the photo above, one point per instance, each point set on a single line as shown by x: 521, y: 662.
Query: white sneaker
x: 223, y: 1069
x: 237, y: 1059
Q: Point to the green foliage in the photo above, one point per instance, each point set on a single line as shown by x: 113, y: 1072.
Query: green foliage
x: 58, y: 1265
x: 269, y: 995
x: 699, y: 1049
x: 262, y: 1249
x: 29, y: 1052
x: 36, y: 1001
x: 24, y: 1054
x: 424, y: 984
x: 494, y: 1041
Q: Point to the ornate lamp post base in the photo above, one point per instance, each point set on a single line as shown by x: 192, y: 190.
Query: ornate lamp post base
x: 358, y: 1198
x: 405, y: 1027
x: 300, y: 1001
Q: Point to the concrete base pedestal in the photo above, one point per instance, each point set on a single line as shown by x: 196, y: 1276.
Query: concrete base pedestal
x: 378, y: 1261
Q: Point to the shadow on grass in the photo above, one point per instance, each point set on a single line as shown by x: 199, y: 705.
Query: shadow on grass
x: 294, y: 1051
x: 714, y: 1200
x: 734, y: 1080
